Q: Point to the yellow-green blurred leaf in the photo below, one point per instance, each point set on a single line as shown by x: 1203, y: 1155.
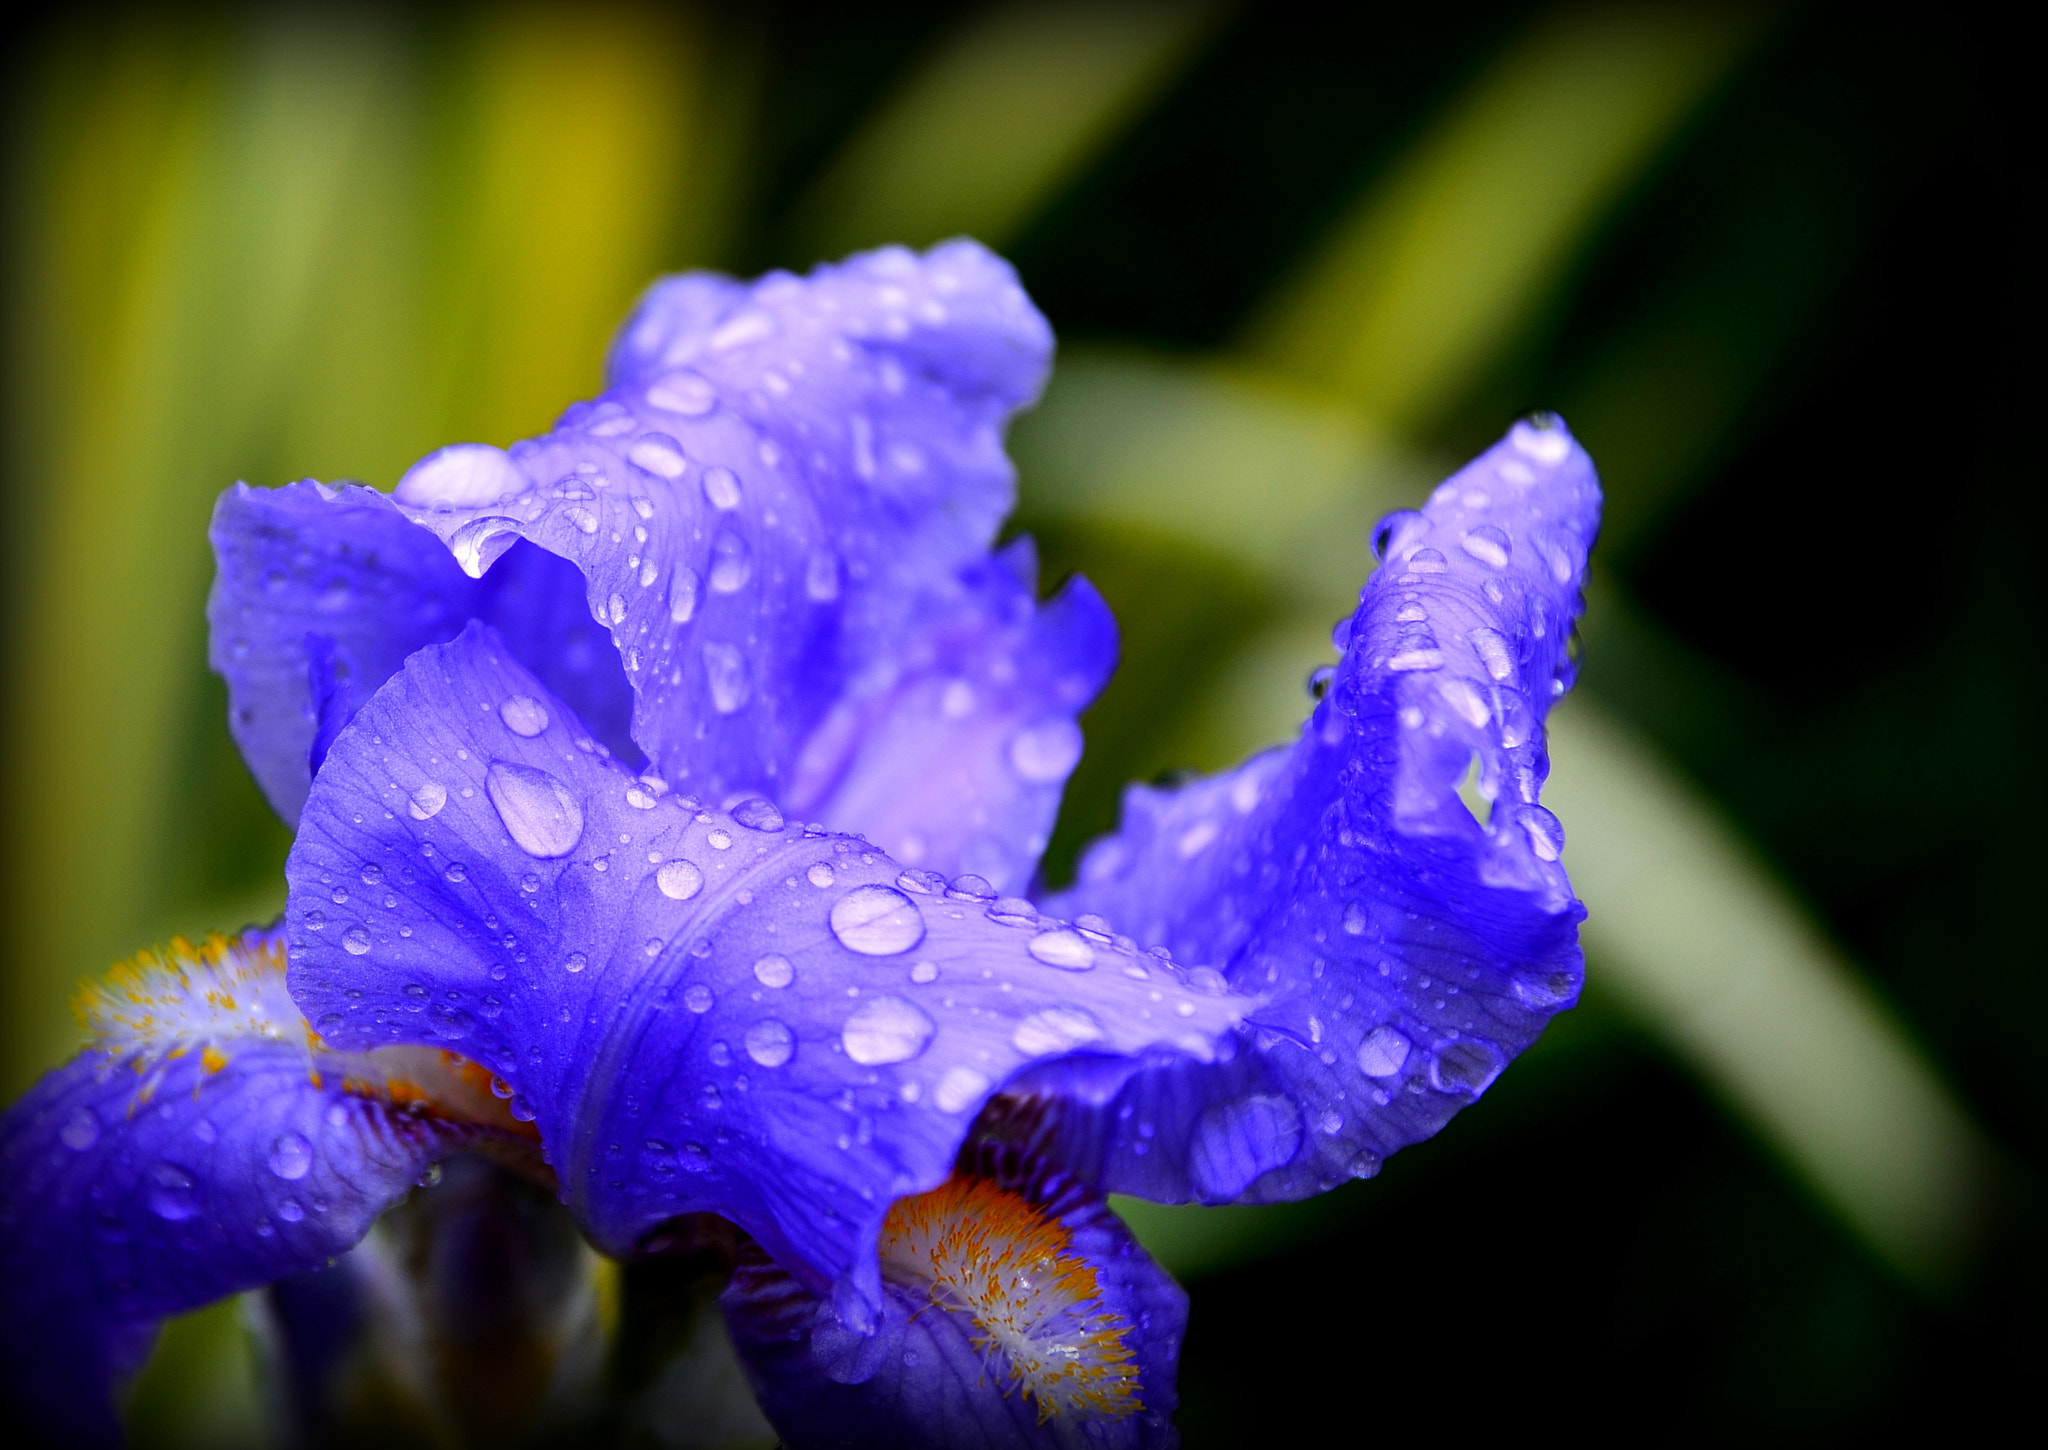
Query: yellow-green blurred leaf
x: 1443, y: 261
x: 1694, y: 935
x: 1003, y: 113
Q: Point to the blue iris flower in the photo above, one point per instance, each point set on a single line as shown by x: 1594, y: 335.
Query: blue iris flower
x: 669, y: 791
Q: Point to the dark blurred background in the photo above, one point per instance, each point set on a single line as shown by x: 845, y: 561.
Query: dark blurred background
x: 1779, y: 1176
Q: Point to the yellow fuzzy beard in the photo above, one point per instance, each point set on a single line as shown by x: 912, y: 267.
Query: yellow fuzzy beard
x: 984, y: 1251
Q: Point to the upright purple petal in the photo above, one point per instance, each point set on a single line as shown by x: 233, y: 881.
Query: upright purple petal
x: 784, y: 487
x: 701, y: 1011
x: 204, y: 1147
x: 1406, y: 951
x: 951, y: 753
x: 1018, y: 1314
x: 319, y: 595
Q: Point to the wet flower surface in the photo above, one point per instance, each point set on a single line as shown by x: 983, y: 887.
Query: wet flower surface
x: 686, y: 770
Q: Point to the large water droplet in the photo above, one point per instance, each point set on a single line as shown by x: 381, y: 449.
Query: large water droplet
x: 959, y: 1089
x: 722, y: 487
x: 725, y: 670
x: 821, y: 577
x: 80, y: 1131
x: 658, y: 454
x: 523, y: 715
x: 461, y: 476
x: 427, y: 800
x: 1047, y: 751
x: 683, y: 392
x: 774, y: 970
x: 883, y: 1030
x: 1383, y: 1052
x: 1063, y: 947
x: 1493, y: 650
x: 770, y: 1043
x: 877, y: 921
x: 697, y: 997
x: 1468, y: 1065
x: 355, y: 941
x: 538, y: 811
x: 1417, y: 659
x: 1055, y: 1029
x: 291, y: 1156
x: 1236, y: 1142
x: 1488, y: 545
x: 819, y: 874
x: 1545, y: 832
x: 757, y: 814
x: 732, y: 563
x: 682, y: 594
x: 172, y: 1193
x: 679, y: 880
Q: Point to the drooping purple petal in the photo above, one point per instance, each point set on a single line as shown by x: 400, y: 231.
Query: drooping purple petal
x: 134, y: 1186
x: 1406, y: 951
x: 703, y: 1012
x: 1018, y: 1314
x: 319, y: 595
x: 952, y: 752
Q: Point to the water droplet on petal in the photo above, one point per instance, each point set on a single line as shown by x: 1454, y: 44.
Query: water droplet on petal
x: 658, y: 454
x: 1488, y: 544
x: 732, y: 563
x: 1493, y: 651
x: 1383, y: 1052
x: 355, y: 941
x: 427, y: 800
x: 290, y: 1211
x: 1055, y: 1029
x: 575, y: 962
x: 291, y: 1156
x: 925, y: 972
x: 461, y: 476
x: 821, y: 578
x: 1063, y: 947
x: 80, y: 1131
x: 697, y: 997
x: 774, y: 970
x: 679, y: 880
x: 960, y: 1088
x: 682, y: 594
x: 819, y: 874
x: 1234, y: 1143
x: 718, y: 839
x: 1046, y: 752
x: 1468, y: 1065
x: 538, y: 811
x: 683, y: 392
x: 172, y: 1192
x: 757, y: 814
x: 524, y: 716
x: 770, y: 1043
x: 883, y: 1030
x: 725, y: 669
x: 877, y: 921
x: 722, y: 488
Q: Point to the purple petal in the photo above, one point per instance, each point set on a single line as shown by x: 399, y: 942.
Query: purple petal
x: 972, y: 1320
x: 320, y: 594
x: 953, y: 754
x: 1406, y: 951
x: 136, y: 1186
x: 703, y: 1012
x: 781, y: 485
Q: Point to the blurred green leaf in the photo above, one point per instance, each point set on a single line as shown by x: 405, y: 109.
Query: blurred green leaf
x: 1700, y: 941
x: 996, y: 120
x: 1443, y: 261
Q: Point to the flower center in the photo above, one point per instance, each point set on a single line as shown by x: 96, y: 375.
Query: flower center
x: 982, y: 1250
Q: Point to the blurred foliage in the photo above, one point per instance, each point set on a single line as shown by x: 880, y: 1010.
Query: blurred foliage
x: 1776, y: 1173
